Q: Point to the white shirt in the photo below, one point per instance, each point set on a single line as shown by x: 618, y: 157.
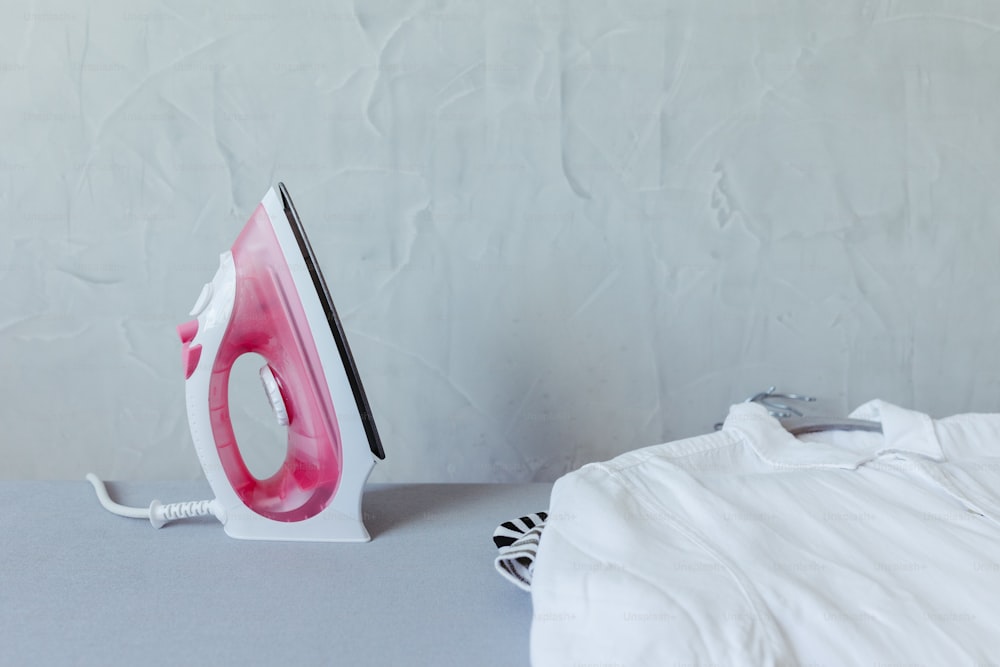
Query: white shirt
x: 752, y: 547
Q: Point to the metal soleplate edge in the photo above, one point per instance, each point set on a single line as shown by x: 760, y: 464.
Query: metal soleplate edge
x: 336, y: 328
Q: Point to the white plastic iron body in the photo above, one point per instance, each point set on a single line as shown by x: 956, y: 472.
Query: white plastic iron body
x: 268, y: 297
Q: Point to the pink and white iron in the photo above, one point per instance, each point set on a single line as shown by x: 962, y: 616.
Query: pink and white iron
x: 268, y: 297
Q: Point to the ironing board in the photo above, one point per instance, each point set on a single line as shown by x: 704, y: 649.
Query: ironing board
x: 81, y: 586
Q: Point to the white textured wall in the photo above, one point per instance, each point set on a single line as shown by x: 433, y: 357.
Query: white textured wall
x: 555, y: 231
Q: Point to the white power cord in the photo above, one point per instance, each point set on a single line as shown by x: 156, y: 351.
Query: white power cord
x: 157, y: 513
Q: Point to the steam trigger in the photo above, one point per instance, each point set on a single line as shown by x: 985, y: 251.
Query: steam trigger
x: 273, y: 390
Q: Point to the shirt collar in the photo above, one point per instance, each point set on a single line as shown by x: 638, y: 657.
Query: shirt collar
x: 903, y: 431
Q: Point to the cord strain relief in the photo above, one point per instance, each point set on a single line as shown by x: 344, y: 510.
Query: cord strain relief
x: 160, y: 514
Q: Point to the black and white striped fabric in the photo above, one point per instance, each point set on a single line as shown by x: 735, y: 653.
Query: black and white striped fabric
x: 517, y: 541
